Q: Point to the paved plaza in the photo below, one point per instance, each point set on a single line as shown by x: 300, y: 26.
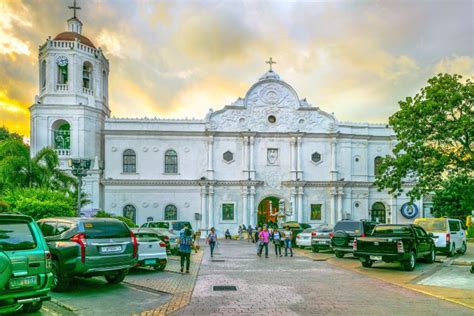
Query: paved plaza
x: 299, y: 286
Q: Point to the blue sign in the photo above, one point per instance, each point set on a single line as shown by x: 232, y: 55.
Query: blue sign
x: 409, y: 210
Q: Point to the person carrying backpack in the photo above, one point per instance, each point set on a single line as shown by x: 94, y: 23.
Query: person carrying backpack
x: 212, y: 240
x: 185, y: 244
x: 276, y: 237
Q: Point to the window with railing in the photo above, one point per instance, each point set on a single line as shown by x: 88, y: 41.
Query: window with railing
x: 87, y: 75
x: 62, y: 137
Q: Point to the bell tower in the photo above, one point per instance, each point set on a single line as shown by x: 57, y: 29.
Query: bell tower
x: 72, y: 102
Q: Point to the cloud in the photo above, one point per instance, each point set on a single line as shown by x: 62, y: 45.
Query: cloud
x: 10, y: 17
x: 456, y: 65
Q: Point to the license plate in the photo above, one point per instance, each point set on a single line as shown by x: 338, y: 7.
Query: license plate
x: 29, y: 281
x: 150, y: 261
x: 376, y: 258
x: 323, y: 242
x: 111, y: 249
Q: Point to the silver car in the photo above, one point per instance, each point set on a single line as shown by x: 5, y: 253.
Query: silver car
x: 151, y: 250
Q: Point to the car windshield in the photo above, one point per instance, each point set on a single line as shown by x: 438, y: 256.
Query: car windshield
x: 308, y: 230
x: 180, y: 225
x: 147, y: 237
x: 16, y: 236
x: 106, y: 229
x: 324, y: 229
x: 352, y: 227
x: 435, y: 225
x: 159, y: 225
x: 391, y: 230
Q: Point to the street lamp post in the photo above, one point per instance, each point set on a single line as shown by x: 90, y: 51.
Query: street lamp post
x: 79, y: 168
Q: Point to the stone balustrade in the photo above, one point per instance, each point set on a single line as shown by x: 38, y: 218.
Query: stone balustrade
x: 63, y: 152
x: 62, y: 87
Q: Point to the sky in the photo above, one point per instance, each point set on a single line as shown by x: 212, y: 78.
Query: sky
x: 177, y: 59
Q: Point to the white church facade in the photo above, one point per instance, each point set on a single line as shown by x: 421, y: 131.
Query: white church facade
x: 227, y: 169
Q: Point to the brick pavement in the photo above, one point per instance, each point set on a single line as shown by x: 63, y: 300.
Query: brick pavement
x: 299, y: 286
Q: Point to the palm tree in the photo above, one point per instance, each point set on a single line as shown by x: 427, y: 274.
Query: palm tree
x: 19, y: 170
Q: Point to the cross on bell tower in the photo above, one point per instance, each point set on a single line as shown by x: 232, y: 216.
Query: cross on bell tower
x: 74, y: 8
x: 270, y: 62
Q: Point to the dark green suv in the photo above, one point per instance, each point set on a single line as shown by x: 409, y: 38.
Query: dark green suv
x: 25, y: 265
x: 88, y: 247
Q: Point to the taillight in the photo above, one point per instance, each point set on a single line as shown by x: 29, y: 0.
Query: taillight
x: 298, y: 236
x: 448, y: 238
x: 135, y: 244
x: 354, y: 245
x: 162, y: 244
x: 81, y: 240
x: 363, y: 235
x: 313, y: 234
x: 400, y: 248
x: 49, y: 259
x: 166, y: 238
x: 331, y: 235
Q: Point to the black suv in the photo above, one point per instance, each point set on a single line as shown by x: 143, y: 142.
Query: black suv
x: 344, y: 233
x: 89, y: 247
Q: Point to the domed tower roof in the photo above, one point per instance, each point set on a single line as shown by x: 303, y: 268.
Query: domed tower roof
x: 71, y: 36
x: 270, y: 75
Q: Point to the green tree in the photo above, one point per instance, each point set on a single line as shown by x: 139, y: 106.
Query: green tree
x: 435, y: 132
x: 19, y: 170
x: 455, y: 199
x: 39, y: 202
x: 5, y: 134
x: 126, y: 220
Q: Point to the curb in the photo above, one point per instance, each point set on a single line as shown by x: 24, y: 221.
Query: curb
x: 60, y: 304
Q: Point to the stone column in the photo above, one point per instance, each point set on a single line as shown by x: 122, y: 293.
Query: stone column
x: 332, y: 210
x: 340, y: 193
x: 293, y: 203
x: 210, y: 206
x: 252, y: 210
x: 293, y: 158
x: 252, y: 166
x: 393, y: 210
x: 203, y: 207
x: 244, y: 206
x: 300, y: 204
x: 333, y: 160
x: 210, y: 155
x: 245, y: 160
x: 299, y: 171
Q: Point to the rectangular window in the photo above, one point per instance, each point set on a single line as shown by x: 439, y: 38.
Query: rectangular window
x: 316, y: 212
x: 15, y: 236
x: 228, y: 211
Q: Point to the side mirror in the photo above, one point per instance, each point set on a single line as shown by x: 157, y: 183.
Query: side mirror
x: 432, y: 236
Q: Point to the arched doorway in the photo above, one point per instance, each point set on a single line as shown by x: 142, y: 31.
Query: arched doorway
x: 378, y: 213
x: 264, y: 207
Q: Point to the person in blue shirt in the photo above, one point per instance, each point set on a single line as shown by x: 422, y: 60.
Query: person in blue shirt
x: 185, y: 244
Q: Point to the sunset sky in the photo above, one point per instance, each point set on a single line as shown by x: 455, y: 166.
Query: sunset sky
x: 180, y: 58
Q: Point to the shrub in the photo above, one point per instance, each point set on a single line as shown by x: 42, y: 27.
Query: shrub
x: 470, y: 231
x: 126, y: 220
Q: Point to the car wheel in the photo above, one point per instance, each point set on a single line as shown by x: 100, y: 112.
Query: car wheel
x: 60, y: 282
x: 117, y: 277
x: 452, y: 251
x: 160, y: 267
x: 409, y: 265
x: 32, y: 307
x: 432, y: 256
x: 315, y: 249
x: 463, y: 249
x: 366, y: 263
x: 339, y: 254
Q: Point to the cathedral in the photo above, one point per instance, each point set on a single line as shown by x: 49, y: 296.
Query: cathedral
x: 234, y: 166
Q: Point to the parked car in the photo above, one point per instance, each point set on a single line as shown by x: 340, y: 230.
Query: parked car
x: 303, y: 239
x: 168, y: 237
x: 389, y: 243
x: 451, y: 237
x: 321, y: 238
x: 344, y: 233
x: 25, y: 265
x: 151, y: 249
x: 295, y: 228
x: 172, y: 226
x: 88, y: 247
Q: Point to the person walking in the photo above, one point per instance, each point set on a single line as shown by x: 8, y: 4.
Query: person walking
x: 276, y: 237
x: 240, y: 232
x: 264, y: 237
x: 250, y: 233
x: 257, y: 239
x: 212, y: 240
x: 185, y: 243
x: 288, y: 234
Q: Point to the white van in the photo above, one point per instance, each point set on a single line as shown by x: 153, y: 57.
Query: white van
x: 450, y: 237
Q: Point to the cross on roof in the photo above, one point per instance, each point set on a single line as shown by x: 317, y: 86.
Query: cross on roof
x: 270, y: 62
x: 74, y: 7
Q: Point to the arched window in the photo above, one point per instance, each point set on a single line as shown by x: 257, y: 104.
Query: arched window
x: 104, y: 84
x: 87, y: 75
x: 62, y: 74
x: 171, y: 161
x: 43, y: 74
x: 130, y: 212
x: 61, y: 135
x: 129, y: 161
x: 171, y: 213
x: 377, y: 164
x: 378, y: 212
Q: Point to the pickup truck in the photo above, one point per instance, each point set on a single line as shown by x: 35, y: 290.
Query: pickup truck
x: 389, y: 243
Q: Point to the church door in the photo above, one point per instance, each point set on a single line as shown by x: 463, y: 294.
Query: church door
x: 378, y: 213
x: 263, y: 215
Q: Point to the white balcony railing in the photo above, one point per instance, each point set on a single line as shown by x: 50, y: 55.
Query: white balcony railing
x: 62, y: 87
x: 63, y: 152
x: 87, y: 91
